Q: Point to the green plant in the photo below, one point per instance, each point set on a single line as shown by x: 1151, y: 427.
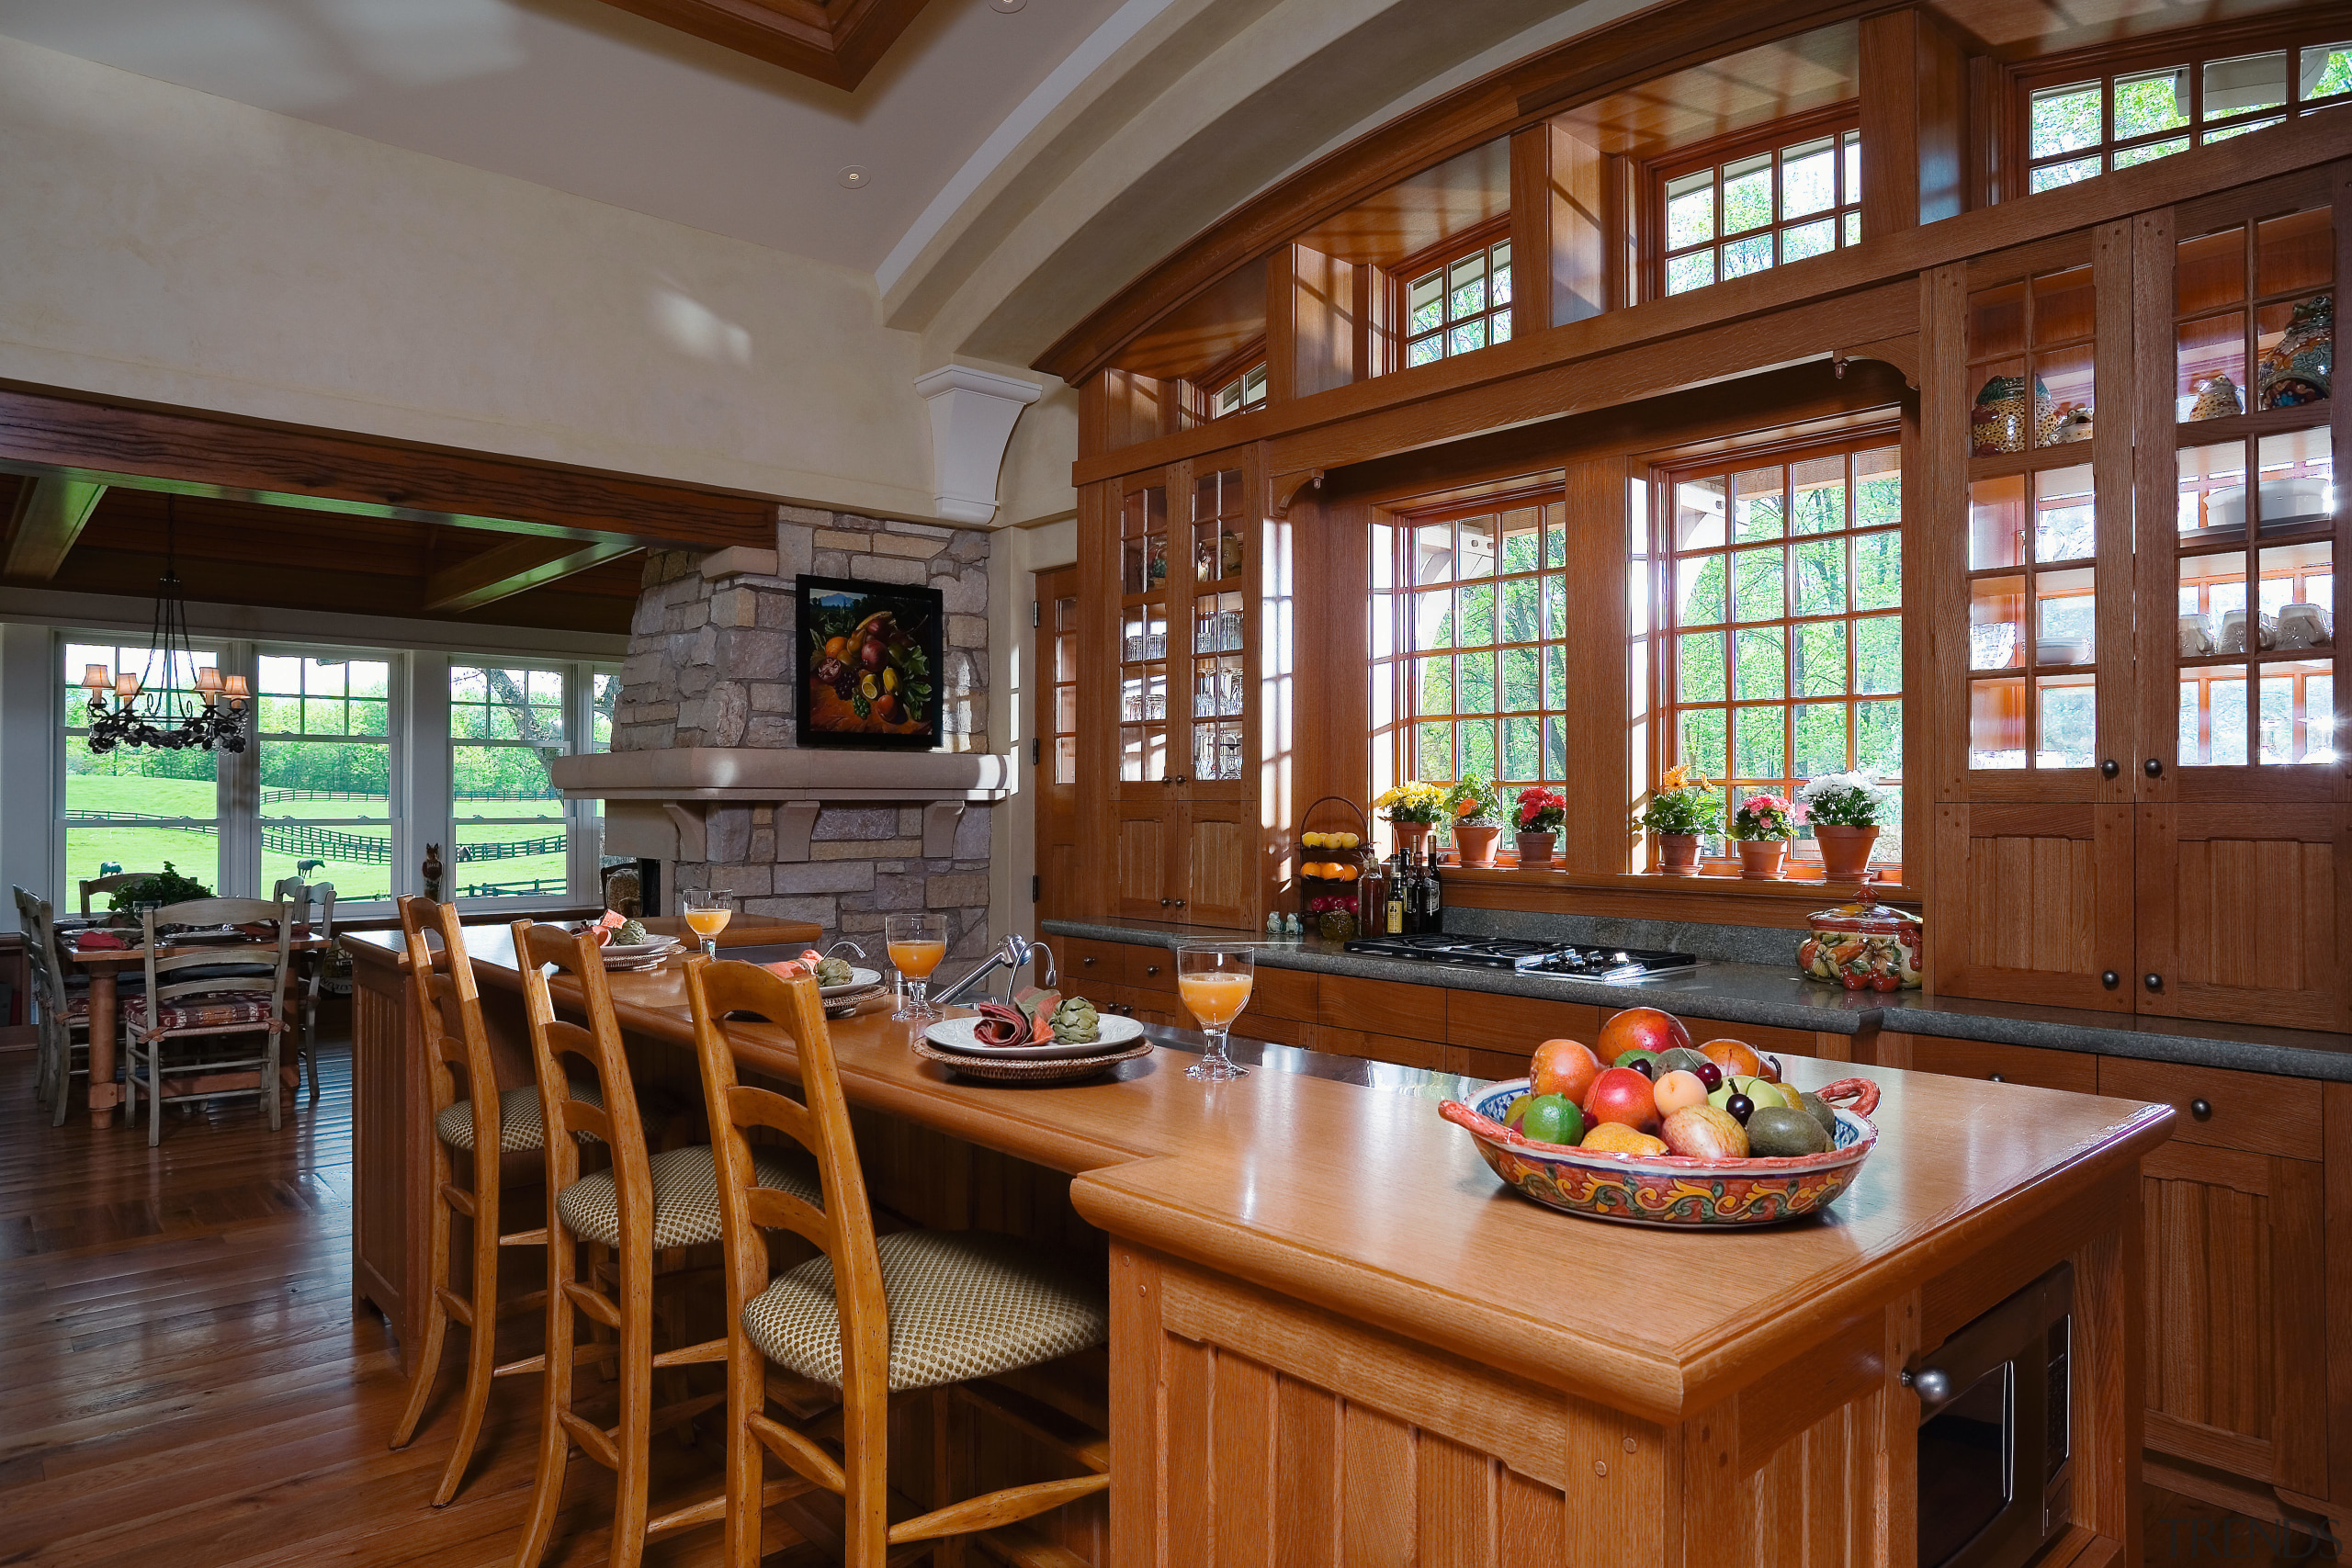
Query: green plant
x: 1541, y: 810
x: 165, y: 886
x: 1472, y: 801
x: 1842, y: 800
x: 1683, y: 803
x: 1763, y: 817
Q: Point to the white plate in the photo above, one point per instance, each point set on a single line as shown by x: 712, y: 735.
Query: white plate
x: 956, y: 1034
x: 858, y: 980
x: 640, y: 952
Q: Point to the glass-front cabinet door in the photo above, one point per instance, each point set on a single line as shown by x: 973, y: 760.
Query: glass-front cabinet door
x: 1144, y: 614
x: 1219, y: 644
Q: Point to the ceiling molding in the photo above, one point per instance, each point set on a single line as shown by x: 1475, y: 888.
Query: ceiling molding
x: 835, y: 41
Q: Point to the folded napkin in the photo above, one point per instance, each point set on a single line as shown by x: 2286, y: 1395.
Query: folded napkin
x: 98, y: 939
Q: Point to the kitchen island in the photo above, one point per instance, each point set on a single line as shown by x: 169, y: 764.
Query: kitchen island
x: 1336, y: 1339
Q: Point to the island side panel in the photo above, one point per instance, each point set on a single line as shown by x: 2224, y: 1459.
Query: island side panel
x: 391, y: 1149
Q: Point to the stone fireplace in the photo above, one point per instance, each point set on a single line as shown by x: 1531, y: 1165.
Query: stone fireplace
x: 704, y: 776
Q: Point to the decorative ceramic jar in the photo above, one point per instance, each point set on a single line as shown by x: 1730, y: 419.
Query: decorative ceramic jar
x: 1845, y: 852
x: 1762, y: 858
x: 2300, y: 368
x: 1864, y: 946
x: 1678, y: 854
x: 1535, y: 849
x: 1476, y: 841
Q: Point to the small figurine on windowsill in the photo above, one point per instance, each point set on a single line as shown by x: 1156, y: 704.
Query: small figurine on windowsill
x: 431, y: 871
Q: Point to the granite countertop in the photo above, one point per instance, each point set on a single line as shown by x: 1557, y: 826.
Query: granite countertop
x: 1778, y: 997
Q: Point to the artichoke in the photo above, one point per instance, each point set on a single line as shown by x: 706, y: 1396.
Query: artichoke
x: 632, y: 933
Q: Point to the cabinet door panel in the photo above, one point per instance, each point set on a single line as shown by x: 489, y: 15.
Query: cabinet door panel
x: 1284, y: 993
x: 1351, y: 1003
x: 1150, y: 968
x: 1489, y: 1065
x: 2236, y: 1311
x: 1486, y: 1022
x: 2239, y: 912
x: 2257, y: 1112
x: 2074, y: 1071
x: 2032, y: 903
x: 1220, y: 853
x: 1140, y: 861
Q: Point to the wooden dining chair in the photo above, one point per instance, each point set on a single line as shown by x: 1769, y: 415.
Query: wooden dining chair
x: 917, y: 1313
x: 92, y: 886
x: 473, y: 1118
x: 643, y: 1205
x: 311, y: 968
x: 60, y: 1021
x: 205, y: 993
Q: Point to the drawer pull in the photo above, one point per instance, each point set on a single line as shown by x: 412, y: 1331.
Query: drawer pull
x: 1163, y: 903
x: 2111, y: 979
x: 2201, y: 1109
x: 1996, y: 1077
x: 1151, y: 969
x: 1179, y: 903
x: 1086, y: 962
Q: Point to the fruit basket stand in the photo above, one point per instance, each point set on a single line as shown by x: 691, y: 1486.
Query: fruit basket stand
x: 1330, y: 875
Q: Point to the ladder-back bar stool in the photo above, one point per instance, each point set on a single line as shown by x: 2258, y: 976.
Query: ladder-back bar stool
x: 643, y: 1205
x: 472, y: 1118
x: 917, y: 1312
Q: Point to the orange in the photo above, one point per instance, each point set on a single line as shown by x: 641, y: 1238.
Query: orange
x: 1615, y: 1138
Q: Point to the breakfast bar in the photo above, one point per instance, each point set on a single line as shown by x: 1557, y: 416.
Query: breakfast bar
x: 1336, y: 1337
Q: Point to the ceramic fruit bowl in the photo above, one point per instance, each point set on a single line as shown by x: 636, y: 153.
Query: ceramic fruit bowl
x: 1672, y: 1190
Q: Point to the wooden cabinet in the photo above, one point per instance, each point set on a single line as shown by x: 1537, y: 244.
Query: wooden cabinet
x: 1176, y: 558
x: 2035, y: 903
x: 2073, y: 1071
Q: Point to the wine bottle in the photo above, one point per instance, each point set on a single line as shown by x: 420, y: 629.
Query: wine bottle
x: 1432, y: 898
x: 1395, y: 923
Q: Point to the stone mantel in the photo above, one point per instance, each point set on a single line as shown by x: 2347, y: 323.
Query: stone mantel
x: 659, y: 804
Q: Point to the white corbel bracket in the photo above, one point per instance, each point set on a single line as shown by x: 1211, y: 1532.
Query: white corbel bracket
x: 972, y: 415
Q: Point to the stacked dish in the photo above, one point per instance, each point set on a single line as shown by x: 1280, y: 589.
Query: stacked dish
x: 956, y: 1044
x: 639, y: 957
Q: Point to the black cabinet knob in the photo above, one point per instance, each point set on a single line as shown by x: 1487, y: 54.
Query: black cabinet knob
x: 2108, y: 977
x: 2109, y: 768
x: 1163, y: 903
x: 1179, y: 903
x: 1151, y: 969
x: 1996, y: 1077
x: 2153, y: 767
x: 1086, y: 962
x: 2154, y: 982
x: 2201, y: 1109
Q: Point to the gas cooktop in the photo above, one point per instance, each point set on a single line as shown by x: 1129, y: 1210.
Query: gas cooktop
x: 1572, y: 959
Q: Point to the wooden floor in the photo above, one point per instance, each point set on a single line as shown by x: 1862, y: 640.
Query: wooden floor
x: 184, y: 1382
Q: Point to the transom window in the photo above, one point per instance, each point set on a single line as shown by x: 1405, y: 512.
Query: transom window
x: 1766, y: 206
x: 1245, y: 392
x: 1459, y: 305
x: 1780, y: 650
x: 2089, y: 124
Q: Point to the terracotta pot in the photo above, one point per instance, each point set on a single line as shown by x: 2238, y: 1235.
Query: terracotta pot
x: 1477, y: 843
x: 1845, y: 852
x: 1535, y: 849
x: 1761, y: 857
x: 1678, y: 854
x: 1412, y: 836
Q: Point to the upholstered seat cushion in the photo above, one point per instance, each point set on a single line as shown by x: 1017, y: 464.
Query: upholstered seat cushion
x: 685, y: 1197
x: 521, y: 1126
x: 215, y: 1010
x: 963, y: 1304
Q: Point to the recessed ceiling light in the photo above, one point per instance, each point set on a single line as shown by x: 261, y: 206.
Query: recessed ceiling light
x: 1008, y: 5
x: 854, y: 178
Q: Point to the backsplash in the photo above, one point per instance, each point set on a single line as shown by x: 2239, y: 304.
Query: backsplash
x: 1720, y: 945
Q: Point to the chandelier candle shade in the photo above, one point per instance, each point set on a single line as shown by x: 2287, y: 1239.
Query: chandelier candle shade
x: 162, y: 716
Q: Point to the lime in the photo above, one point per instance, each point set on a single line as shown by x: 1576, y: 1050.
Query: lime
x: 1553, y: 1119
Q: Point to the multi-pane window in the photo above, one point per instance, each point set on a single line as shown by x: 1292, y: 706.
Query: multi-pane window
x: 1459, y: 305
x: 2091, y: 124
x: 135, y: 808
x: 1780, y: 651
x: 1469, y: 617
x: 1244, y: 393
x: 508, y: 816
x: 324, y: 747
x: 1767, y: 206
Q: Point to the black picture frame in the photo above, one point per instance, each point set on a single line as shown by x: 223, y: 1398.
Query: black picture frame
x: 904, y: 676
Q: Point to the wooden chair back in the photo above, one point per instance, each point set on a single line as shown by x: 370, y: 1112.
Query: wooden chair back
x: 95, y: 885
x: 448, y: 1008
x: 258, y: 964
x: 555, y: 1043
x: 34, y: 918
x: 843, y: 1231
x: 303, y: 895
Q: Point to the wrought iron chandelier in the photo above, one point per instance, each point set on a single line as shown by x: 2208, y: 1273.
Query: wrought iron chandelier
x: 163, y: 718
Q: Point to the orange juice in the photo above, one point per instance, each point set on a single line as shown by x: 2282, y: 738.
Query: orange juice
x: 1215, y: 999
x: 708, y: 922
x: 916, y: 960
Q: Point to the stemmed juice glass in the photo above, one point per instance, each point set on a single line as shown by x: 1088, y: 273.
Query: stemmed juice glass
x: 707, y: 915
x: 1215, y: 981
x: 917, y: 943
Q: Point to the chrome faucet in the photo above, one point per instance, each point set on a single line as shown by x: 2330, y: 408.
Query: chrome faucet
x: 1014, y: 956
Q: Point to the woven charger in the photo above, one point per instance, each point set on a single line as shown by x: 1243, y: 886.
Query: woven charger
x: 1068, y: 1070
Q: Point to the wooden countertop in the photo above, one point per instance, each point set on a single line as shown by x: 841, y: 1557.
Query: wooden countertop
x: 1363, y: 1201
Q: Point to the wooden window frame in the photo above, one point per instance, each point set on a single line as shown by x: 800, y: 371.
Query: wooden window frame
x: 1445, y: 254
x: 1666, y: 704
x: 1212, y: 382
x: 1649, y: 218
x: 2010, y: 172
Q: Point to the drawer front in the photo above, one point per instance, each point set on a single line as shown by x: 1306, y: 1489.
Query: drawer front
x: 2256, y: 1111
x: 1285, y: 993
x: 1414, y: 1010
x: 1083, y: 964
x: 1374, y: 1046
x: 1487, y: 1065
x: 1488, y: 1022
x: 1151, y: 968
x: 1256, y: 1026
x: 2074, y: 1071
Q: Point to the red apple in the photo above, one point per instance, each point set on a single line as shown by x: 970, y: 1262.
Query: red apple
x: 1623, y: 1096
x: 1640, y: 1029
x: 1704, y: 1133
x: 1563, y: 1068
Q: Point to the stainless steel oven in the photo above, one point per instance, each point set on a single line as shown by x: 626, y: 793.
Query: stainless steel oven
x: 1995, y: 1432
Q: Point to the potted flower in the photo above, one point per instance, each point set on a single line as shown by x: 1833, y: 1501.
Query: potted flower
x: 1762, y: 827
x: 1412, y: 809
x: 1679, y: 811
x: 1539, y: 819
x: 1844, y: 811
x: 1476, y: 808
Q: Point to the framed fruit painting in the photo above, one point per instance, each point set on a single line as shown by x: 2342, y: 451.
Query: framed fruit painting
x: 869, y: 661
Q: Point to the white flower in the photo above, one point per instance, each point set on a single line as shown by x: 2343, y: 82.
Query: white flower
x: 1828, y: 784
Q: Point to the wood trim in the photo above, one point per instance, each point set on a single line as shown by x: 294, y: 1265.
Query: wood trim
x: 2336, y: 1168
x: 1832, y: 120
x: 835, y: 41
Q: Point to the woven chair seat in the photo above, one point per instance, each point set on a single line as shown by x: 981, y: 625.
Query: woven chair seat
x: 215, y: 1011
x: 522, y: 1128
x: 686, y: 1198
x: 963, y: 1304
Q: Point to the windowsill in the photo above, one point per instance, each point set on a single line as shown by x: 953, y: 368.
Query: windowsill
x: 1715, y: 879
